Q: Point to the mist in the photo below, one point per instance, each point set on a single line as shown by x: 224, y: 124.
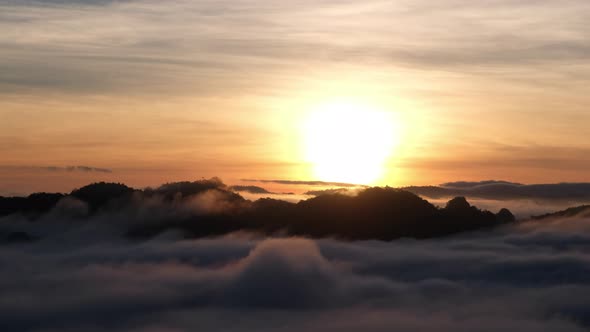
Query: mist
x: 530, y: 276
x: 196, y: 255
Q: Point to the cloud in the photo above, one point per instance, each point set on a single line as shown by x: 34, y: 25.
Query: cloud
x: 503, y: 190
x: 524, y: 200
x: 306, y: 183
x: 195, y: 49
x: 342, y: 191
x: 66, y: 2
x: 472, y: 184
x: 251, y: 189
x: 257, y: 191
x: 78, y: 45
x: 86, y: 169
x: 529, y: 276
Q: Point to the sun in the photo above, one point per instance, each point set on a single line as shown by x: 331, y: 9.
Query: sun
x: 349, y: 142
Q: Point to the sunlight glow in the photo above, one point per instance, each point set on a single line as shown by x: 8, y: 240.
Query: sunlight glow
x: 349, y: 142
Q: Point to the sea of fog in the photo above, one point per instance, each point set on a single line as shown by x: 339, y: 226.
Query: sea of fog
x: 530, y: 276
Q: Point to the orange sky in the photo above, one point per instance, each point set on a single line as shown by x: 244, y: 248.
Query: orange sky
x: 165, y: 91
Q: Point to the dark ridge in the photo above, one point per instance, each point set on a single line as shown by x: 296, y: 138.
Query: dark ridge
x: 430, y: 191
x: 374, y: 213
x: 471, y: 184
x: 99, y: 194
x: 505, y: 216
x: 489, y: 191
x: 571, y: 212
x: 30, y: 206
x: 187, y: 188
x: 250, y: 189
x: 502, y: 190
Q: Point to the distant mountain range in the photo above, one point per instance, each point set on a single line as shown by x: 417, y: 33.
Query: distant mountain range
x: 503, y: 190
x: 209, y: 208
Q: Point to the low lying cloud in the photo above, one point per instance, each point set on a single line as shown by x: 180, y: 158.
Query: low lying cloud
x: 77, y: 267
x: 530, y: 276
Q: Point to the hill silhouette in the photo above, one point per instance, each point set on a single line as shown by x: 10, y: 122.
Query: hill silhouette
x: 570, y: 212
x: 208, y: 208
x: 97, y: 195
x: 32, y: 205
x: 504, y: 190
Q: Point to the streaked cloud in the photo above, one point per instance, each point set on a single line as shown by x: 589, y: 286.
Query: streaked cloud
x: 57, y: 168
x: 466, y: 77
x: 73, y: 45
x: 305, y: 183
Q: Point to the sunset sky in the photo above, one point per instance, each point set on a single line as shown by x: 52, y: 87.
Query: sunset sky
x: 373, y: 92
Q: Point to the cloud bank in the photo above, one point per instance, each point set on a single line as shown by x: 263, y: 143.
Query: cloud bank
x: 528, y: 277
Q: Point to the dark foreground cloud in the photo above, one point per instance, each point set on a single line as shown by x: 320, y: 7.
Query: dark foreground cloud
x: 530, y: 276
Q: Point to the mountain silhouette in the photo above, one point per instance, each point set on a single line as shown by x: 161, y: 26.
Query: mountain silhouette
x: 209, y: 208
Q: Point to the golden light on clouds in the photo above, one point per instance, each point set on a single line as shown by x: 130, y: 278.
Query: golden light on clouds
x: 349, y: 141
x: 242, y: 89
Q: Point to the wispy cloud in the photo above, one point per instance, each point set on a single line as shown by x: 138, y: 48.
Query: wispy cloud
x: 455, y: 69
x: 86, y: 169
x: 237, y: 39
x: 305, y: 183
